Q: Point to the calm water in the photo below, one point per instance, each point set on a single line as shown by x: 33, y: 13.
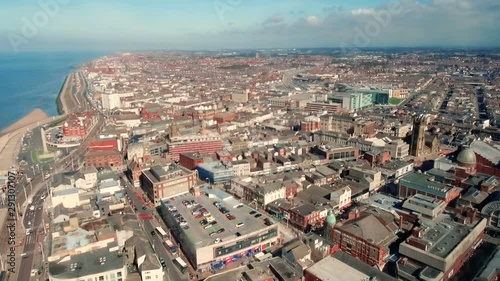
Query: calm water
x: 32, y: 80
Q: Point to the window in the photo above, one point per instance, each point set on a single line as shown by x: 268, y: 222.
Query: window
x: 119, y: 275
x: 148, y: 277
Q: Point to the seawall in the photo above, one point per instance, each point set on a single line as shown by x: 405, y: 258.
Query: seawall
x: 60, y: 109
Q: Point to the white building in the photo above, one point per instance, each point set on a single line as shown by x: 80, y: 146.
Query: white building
x: 111, y: 100
x: 241, y: 168
x: 102, y: 264
x: 66, y: 195
x: 109, y: 186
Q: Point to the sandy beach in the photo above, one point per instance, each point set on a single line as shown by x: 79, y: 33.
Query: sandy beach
x: 34, y: 116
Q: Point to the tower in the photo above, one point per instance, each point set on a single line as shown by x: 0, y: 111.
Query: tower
x: 418, y: 135
x: 173, y: 131
x: 44, y: 141
x: 330, y: 224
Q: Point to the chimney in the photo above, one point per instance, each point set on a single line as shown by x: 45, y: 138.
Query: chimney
x: 417, y: 232
x: 471, y: 214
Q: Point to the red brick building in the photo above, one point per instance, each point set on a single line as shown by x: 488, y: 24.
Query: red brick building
x: 161, y: 182
x: 224, y: 155
x: 190, y: 160
x: 377, y: 158
x: 78, y: 125
x: 304, y: 216
x: 224, y: 117
x: 106, y: 145
x: 366, y: 236
x: 111, y: 158
x: 310, y: 126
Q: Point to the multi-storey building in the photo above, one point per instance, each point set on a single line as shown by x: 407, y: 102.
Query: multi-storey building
x: 204, y: 143
x: 190, y: 160
x: 111, y: 158
x: 79, y: 125
x: 101, y: 264
x: 241, y: 168
x: 440, y: 247
x: 416, y: 183
x: 215, y: 172
x: 212, y: 246
x: 366, y: 235
x: 304, y: 216
x: 337, y: 123
x: 330, y: 108
x: 162, y: 182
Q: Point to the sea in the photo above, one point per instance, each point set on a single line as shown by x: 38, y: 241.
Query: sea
x: 30, y: 80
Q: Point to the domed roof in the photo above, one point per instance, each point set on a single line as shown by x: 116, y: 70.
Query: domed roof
x: 330, y: 218
x: 466, y: 156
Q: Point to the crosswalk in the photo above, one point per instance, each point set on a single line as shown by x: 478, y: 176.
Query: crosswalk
x: 30, y: 239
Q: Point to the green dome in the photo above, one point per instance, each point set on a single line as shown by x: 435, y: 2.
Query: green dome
x: 330, y: 218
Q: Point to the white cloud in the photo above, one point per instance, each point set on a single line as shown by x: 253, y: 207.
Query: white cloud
x: 358, y: 12
x: 314, y: 21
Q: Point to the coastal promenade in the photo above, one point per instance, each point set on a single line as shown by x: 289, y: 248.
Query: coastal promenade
x: 10, y: 143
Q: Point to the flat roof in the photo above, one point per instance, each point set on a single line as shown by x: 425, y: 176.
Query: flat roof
x: 342, y: 267
x: 199, y: 236
x: 85, y: 264
x: 444, y: 235
x: 424, y: 183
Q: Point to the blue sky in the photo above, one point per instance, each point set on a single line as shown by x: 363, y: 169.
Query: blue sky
x: 210, y: 24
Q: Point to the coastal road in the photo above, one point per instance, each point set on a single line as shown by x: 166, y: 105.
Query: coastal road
x: 171, y: 271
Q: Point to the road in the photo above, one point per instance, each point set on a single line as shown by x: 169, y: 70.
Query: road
x: 171, y: 271
x: 33, y: 220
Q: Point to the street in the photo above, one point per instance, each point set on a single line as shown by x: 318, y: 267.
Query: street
x: 31, y: 245
x: 171, y: 271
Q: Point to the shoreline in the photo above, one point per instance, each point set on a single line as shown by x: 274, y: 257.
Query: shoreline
x: 59, y: 105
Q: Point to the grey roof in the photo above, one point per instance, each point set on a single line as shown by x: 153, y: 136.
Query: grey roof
x: 343, y: 267
x: 466, y: 156
x: 487, y: 151
x: 474, y: 196
x: 81, y: 265
x: 492, y: 268
x: 369, y: 228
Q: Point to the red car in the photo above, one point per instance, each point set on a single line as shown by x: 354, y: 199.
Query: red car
x: 230, y: 217
x: 199, y: 216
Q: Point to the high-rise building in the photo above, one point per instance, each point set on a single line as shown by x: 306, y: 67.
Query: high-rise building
x: 417, y: 144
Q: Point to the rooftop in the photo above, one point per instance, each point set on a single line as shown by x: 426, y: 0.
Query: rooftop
x: 443, y: 235
x: 199, y: 236
x: 351, y: 269
x: 90, y: 263
x: 425, y: 183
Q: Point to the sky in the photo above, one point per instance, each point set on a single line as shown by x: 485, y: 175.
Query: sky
x: 235, y: 24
